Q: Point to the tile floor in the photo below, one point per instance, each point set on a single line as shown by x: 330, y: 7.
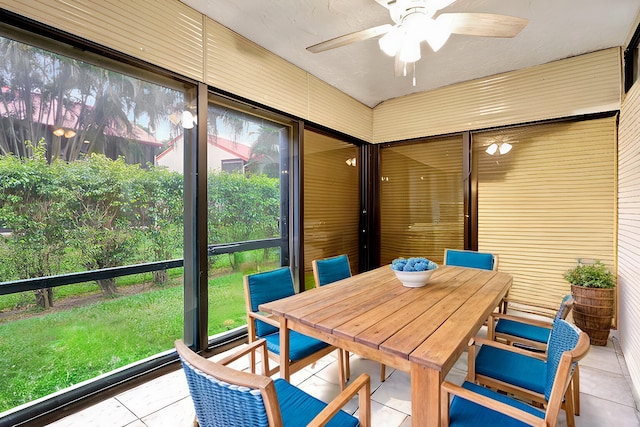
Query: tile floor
x: 606, y: 397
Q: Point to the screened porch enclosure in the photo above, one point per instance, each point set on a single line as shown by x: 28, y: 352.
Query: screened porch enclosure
x: 249, y: 172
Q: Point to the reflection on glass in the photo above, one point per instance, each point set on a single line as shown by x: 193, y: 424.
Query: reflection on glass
x: 421, y: 199
x: 78, y: 146
x: 331, y: 201
x: 243, y: 160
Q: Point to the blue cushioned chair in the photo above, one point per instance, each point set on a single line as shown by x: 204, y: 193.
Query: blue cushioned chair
x: 526, y: 374
x: 529, y: 332
x: 474, y: 405
x: 303, y: 350
x: 225, y: 397
x: 329, y: 270
x: 472, y: 259
x: 533, y: 334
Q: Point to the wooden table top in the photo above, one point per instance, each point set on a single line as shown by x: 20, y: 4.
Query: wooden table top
x: 429, y: 326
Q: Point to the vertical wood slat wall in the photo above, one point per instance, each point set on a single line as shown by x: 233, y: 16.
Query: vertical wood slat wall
x: 584, y: 84
x: 629, y: 232
x: 549, y: 201
x: 421, y: 199
x: 331, y: 199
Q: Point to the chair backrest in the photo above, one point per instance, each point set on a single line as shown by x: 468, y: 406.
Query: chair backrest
x: 265, y: 287
x: 331, y: 270
x: 225, y: 397
x: 473, y: 259
x: 565, y: 307
x: 565, y: 339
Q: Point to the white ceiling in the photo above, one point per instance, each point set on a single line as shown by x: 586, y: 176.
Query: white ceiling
x: 557, y: 29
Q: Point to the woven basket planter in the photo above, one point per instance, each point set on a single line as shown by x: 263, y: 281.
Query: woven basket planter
x: 593, y: 312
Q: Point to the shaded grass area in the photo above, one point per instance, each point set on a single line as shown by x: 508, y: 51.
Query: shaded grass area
x: 42, y: 354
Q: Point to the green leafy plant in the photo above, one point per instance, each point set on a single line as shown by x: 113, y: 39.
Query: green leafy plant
x: 593, y: 275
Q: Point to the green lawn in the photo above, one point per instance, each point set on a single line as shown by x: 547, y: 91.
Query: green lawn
x: 48, y: 352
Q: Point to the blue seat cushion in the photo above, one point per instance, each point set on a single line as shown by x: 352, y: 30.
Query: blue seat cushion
x: 516, y: 369
x: 298, y: 408
x: 470, y: 259
x: 465, y: 413
x: 300, y: 346
x: 523, y: 330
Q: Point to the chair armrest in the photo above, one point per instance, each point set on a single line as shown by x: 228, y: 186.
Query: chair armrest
x: 253, y: 347
x: 265, y: 317
x: 361, y: 386
x: 452, y: 389
x: 526, y: 320
x: 483, y: 341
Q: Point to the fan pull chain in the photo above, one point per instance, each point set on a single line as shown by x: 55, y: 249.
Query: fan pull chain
x: 414, y: 74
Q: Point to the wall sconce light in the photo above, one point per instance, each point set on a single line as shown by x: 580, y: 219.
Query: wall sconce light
x: 351, y: 162
x: 495, y: 148
x: 385, y: 178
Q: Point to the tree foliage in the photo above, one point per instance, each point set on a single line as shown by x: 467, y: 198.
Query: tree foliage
x: 242, y: 208
x: 98, y: 213
x: 89, y: 214
x: 99, y: 110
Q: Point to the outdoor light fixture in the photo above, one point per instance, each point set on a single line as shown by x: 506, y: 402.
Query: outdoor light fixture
x: 351, y: 162
x: 188, y: 119
x: 67, y: 133
x: 502, y: 148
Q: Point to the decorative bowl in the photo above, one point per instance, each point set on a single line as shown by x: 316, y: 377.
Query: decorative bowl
x: 414, y: 279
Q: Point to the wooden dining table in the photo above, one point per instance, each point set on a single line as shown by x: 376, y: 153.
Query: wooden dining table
x: 422, y: 331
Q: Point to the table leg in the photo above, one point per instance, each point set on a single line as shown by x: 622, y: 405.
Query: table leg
x: 425, y: 396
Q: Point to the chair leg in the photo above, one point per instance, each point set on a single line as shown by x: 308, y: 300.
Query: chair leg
x: 347, y: 365
x: 383, y: 373
x: 575, y: 388
x: 569, y: 408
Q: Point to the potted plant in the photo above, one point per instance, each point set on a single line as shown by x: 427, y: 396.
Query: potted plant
x: 592, y: 287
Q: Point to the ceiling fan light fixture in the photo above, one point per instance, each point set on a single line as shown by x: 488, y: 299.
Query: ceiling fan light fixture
x: 390, y: 42
x: 435, y: 33
x: 410, y: 51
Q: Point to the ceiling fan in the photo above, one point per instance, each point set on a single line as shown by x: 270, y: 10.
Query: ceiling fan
x: 415, y: 21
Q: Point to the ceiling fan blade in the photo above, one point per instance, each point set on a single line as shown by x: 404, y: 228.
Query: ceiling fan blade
x: 350, y: 38
x: 385, y: 3
x: 440, y: 4
x: 483, y: 24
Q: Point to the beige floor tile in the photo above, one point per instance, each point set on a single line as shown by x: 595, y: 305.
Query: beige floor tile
x: 155, y: 394
x: 395, y: 392
x: 108, y: 413
x: 602, y: 358
x: 179, y: 414
x: 384, y: 416
x: 595, y: 412
x: 605, y: 385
